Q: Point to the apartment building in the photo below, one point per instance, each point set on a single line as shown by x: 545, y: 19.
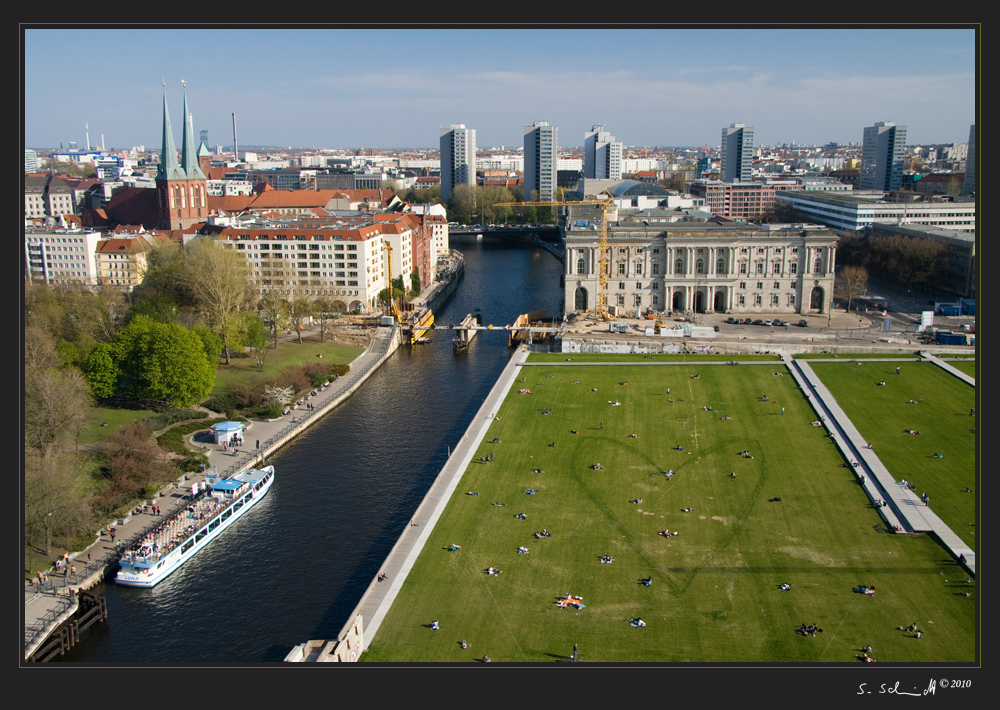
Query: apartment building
x: 541, y: 161
x: 60, y: 256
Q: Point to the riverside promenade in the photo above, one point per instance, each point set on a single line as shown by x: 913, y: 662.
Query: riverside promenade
x: 51, y: 603
x: 379, y: 596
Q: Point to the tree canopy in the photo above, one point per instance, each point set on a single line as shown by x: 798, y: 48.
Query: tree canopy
x: 162, y: 361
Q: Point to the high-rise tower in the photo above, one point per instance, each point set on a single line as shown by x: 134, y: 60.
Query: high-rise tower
x: 458, y: 158
x: 540, y: 158
x: 602, y: 157
x: 737, y: 153
x: 882, y: 156
x: 180, y: 187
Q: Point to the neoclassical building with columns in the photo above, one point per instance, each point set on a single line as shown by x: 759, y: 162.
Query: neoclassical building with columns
x: 701, y: 267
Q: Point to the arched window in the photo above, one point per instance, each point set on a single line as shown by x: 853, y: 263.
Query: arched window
x: 699, y: 266
x: 679, y: 266
x: 720, y: 266
x: 818, y: 265
x: 581, y: 266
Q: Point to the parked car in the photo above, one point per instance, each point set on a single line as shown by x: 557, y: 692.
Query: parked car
x: 803, y: 323
x: 758, y: 322
x: 767, y: 322
x: 731, y: 320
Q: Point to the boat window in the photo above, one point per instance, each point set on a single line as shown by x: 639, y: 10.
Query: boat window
x: 226, y: 514
x: 187, y: 546
x: 214, y: 524
x: 200, y: 536
x: 237, y: 505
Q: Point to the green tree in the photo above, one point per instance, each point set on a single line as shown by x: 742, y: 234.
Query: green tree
x: 258, y: 339
x: 102, y: 371
x: 273, y: 311
x: 220, y: 280
x: 415, y: 282
x: 163, y: 361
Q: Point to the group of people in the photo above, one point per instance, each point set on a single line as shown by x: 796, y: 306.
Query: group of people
x: 570, y: 601
x: 667, y: 533
x: 810, y: 630
x: 606, y: 559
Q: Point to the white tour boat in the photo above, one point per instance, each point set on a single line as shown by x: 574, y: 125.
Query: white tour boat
x: 179, y: 538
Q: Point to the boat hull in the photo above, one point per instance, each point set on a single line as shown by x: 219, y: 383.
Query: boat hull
x: 128, y: 576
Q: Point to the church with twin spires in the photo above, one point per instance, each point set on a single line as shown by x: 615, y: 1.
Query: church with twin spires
x: 181, y: 190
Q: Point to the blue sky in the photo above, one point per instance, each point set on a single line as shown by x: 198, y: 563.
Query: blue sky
x: 383, y: 88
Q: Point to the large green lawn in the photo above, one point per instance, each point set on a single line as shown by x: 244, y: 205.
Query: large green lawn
x: 883, y: 414
x: 715, y: 593
x: 288, y: 354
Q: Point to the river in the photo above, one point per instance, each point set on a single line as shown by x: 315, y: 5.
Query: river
x: 295, y: 568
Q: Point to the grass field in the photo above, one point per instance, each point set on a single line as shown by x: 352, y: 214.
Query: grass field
x: 715, y: 593
x: 288, y: 354
x: 883, y: 415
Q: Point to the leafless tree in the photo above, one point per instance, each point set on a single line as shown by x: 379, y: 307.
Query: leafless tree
x: 851, y: 282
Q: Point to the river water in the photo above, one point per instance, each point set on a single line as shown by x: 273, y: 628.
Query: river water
x: 295, y: 568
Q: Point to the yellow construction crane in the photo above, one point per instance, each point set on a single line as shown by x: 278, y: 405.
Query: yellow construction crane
x: 605, y: 205
x: 391, y: 309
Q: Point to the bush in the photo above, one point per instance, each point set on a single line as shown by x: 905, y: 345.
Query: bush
x: 221, y: 402
x: 272, y: 411
x: 295, y: 378
x: 162, y: 421
x: 340, y: 369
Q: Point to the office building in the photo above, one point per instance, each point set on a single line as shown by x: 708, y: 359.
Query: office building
x: 458, y: 158
x: 737, y: 153
x: 602, y: 159
x: 844, y: 210
x: 882, y: 156
x: 540, y: 161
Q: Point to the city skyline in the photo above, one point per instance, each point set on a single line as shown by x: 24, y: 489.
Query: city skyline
x: 395, y: 88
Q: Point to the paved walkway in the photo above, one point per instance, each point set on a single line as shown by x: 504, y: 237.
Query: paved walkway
x: 905, y: 510
x: 48, y: 605
x: 380, y: 595
x: 949, y: 368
